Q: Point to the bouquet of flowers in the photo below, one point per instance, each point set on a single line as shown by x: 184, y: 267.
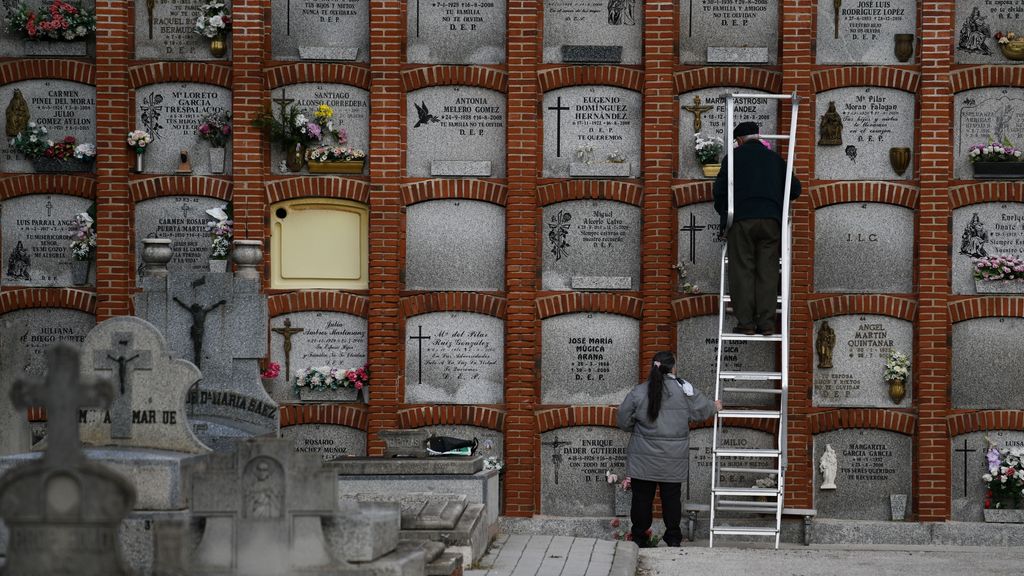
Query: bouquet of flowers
x: 221, y: 231
x: 1005, y: 38
x: 68, y: 148
x: 897, y: 366
x: 1001, y: 267
x: 214, y: 19
x: 708, y: 149
x: 330, y: 378
x: 59, y: 20
x: 1005, y: 477
x: 215, y: 128
x: 334, y: 153
x: 273, y: 371
x: 994, y: 152
x: 293, y: 127
x: 85, y: 152
x: 139, y: 139
x: 32, y: 141
x: 83, y: 237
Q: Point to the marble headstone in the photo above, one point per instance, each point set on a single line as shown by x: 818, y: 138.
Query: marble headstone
x: 696, y: 357
x: 34, y: 330
x: 857, y: 375
x: 591, y: 244
x: 15, y: 432
x: 453, y: 129
x: 974, y: 25
x: 171, y: 113
x: 37, y: 238
x: 736, y: 32
x: 454, y: 358
x: 63, y: 107
x: 874, y: 121
x: 182, y: 220
x: 968, y: 463
x: 589, y: 358
x: 317, y: 339
x: 351, y: 107
x: 707, y: 116
x: 593, y: 31
x: 697, y: 488
x: 458, y: 32
x: 871, y: 465
x: 327, y: 440
x: 699, y: 245
x: 148, y: 406
x: 866, y: 247
x: 985, y: 115
x: 573, y: 464
x: 321, y: 30
x: 987, y: 372
x: 865, y: 30
x: 455, y: 245
x: 165, y: 30
x: 584, y: 125
x: 981, y: 230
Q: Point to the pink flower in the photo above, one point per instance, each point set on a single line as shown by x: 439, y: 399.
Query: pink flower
x: 615, y: 523
x: 358, y: 385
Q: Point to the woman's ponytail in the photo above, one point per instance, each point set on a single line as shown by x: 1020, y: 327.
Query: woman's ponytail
x: 663, y: 363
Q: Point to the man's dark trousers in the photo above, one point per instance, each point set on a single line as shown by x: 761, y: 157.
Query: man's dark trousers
x: 754, y: 271
x: 641, y: 512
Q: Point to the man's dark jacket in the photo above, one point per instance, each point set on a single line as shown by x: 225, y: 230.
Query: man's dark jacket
x: 759, y: 181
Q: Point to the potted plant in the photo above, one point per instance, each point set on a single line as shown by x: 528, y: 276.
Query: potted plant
x: 1002, y: 274
x: 293, y: 131
x: 215, y: 129
x: 708, y: 150
x: 137, y: 141
x: 83, y: 246
x: 221, y: 230
x: 1005, y: 481
x: 57, y: 21
x: 327, y: 383
x: 214, y: 22
x: 897, y: 370
x: 1011, y: 45
x: 996, y: 160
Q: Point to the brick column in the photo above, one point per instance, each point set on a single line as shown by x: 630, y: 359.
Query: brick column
x: 247, y: 98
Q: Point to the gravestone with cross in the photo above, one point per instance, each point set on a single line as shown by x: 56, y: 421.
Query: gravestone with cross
x: 62, y: 510
x: 319, y: 30
x: 592, y: 131
x: 15, y: 433
x: 454, y: 358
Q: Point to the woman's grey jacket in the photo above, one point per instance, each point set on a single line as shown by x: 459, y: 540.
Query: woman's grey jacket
x: 658, y: 451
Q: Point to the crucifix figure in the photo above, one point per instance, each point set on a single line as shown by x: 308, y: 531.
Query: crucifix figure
x: 556, y: 456
x: 698, y: 113
x: 692, y: 228
x: 283, y: 101
x: 63, y: 395
x: 288, y: 332
x: 420, y: 338
x: 198, y: 326
x: 118, y: 357
x: 965, y: 451
x: 558, y: 108
x: 836, y: 6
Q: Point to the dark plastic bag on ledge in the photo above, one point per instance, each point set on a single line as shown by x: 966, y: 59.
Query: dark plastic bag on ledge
x: 448, y: 446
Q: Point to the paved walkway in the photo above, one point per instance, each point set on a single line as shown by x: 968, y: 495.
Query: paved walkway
x: 521, y: 555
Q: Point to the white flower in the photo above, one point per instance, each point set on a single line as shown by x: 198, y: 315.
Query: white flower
x: 32, y: 138
x: 81, y: 31
x: 217, y: 21
x: 987, y: 477
x: 31, y: 124
x: 200, y: 22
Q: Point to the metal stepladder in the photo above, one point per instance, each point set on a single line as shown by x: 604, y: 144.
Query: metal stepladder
x: 737, y: 508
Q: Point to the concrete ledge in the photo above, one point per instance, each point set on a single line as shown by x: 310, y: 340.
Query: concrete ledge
x: 439, y: 465
x: 624, y: 563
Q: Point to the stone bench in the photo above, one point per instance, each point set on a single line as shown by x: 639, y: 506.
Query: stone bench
x: 692, y: 510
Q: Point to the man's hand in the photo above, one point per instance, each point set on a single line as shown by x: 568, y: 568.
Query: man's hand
x: 718, y: 405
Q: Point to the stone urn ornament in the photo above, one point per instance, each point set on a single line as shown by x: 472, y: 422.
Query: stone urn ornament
x: 899, y: 158
x: 903, y: 46
x: 156, y: 253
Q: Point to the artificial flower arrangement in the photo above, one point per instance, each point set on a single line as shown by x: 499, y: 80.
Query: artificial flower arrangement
x: 221, y: 230
x: 897, y: 366
x: 294, y: 127
x: 214, y: 19
x: 330, y: 378
x: 1001, y: 267
x: 626, y: 484
x: 994, y: 152
x: 138, y: 140
x: 708, y: 150
x: 273, y: 371
x: 1005, y: 476
x: 1005, y: 38
x: 69, y: 148
x: 33, y: 141
x: 328, y: 153
x: 58, y: 21
x: 215, y: 128
x: 83, y: 237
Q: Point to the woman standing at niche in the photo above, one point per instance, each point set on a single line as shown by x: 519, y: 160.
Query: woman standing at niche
x: 658, y: 413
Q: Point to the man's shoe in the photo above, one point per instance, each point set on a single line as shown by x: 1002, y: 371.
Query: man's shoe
x: 746, y: 330
x: 766, y: 331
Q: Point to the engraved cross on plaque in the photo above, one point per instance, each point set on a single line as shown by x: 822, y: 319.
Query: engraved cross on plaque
x: 556, y: 457
x: 698, y: 112
x: 49, y: 207
x: 283, y: 101
x: 185, y: 208
x: 692, y: 228
x: 420, y: 338
x: 965, y: 451
x: 288, y: 332
x: 124, y: 359
x: 558, y: 108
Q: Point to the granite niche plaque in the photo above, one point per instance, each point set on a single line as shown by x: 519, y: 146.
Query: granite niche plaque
x: 63, y: 107
x: 863, y: 32
x: 700, y: 246
x: 165, y: 30
x: 982, y: 230
x: 351, y: 108
x: 456, y: 32
x: 870, y: 465
x: 874, y: 120
x: 987, y: 372
x: 321, y: 30
x: 866, y: 247
x: 182, y: 220
x: 573, y: 463
x: 703, y: 111
x: 171, y: 113
x: 697, y: 487
x: 36, y: 239
x: 734, y: 32
x: 460, y: 124
x: 454, y: 358
x: 327, y: 440
x: 33, y: 331
x: 696, y: 357
x: 301, y: 340
x: 975, y: 24
x: 851, y: 372
x: 592, y: 131
x: 593, y: 31
x: 590, y: 245
x: 981, y: 116
x: 589, y: 358
x: 455, y: 245
x: 968, y: 463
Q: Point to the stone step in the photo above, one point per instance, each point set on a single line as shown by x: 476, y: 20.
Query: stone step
x: 470, y: 536
x: 420, y: 510
x: 364, y: 535
x: 408, y: 559
x: 449, y: 564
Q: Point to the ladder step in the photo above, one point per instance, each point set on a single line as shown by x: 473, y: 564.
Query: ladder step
x: 728, y: 413
x: 762, y: 96
x: 742, y: 470
x: 752, y: 390
x: 744, y: 491
x: 751, y: 509
x: 744, y: 530
x: 728, y: 297
x: 773, y: 136
x: 777, y: 337
x: 731, y: 375
x: 749, y: 453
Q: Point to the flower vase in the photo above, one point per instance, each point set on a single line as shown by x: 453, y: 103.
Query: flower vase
x: 903, y: 46
x: 899, y: 159
x: 80, y: 272
x: 710, y: 170
x: 218, y: 265
x: 897, y: 390
x: 217, y: 156
x: 219, y: 45
x: 295, y: 157
x: 139, y: 165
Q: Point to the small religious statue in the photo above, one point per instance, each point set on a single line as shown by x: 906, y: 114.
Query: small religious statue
x: 824, y: 344
x: 698, y: 113
x: 17, y: 115
x: 828, y: 468
x: 264, y: 497
x: 831, y: 129
x: 185, y: 166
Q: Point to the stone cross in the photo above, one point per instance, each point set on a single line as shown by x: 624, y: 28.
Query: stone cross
x: 698, y: 113
x: 556, y: 458
x: 692, y: 228
x: 198, y: 313
x: 288, y: 332
x: 558, y: 108
x: 965, y: 451
x: 420, y: 339
x: 63, y: 395
x: 124, y: 359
